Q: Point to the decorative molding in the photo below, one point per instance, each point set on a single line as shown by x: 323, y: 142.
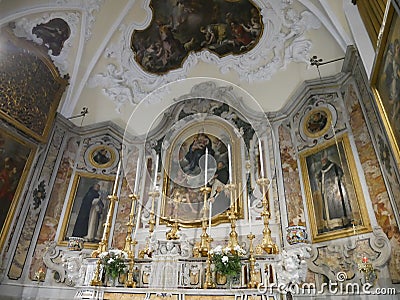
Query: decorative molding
x: 343, y: 256
x: 23, y: 28
x: 282, y: 42
x: 293, y: 266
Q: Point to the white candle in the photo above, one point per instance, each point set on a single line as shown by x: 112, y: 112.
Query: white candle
x: 261, y: 159
x: 230, y: 163
x: 250, y: 219
x: 155, y: 173
x: 137, y: 220
x: 206, y: 168
x: 116, y: 179
x: 137, y: 177
x: 209, y: 217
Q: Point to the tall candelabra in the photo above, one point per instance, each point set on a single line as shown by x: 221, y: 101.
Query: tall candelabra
x: 173, y: 233
x: 104, y: 241
x: 208, y: 283
x: 267, y: 245
x: 204, y: 237
x: 152, y: 222
x: 232, y: 215
x: 129, y: 243
x: 253, y: 283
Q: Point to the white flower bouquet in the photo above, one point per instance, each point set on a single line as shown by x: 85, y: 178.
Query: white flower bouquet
x: 227, y: 260
x: 113, y: 262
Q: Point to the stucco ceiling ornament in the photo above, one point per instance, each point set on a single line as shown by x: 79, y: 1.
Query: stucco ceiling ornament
x: 23, y: 28
x: 282, y: 42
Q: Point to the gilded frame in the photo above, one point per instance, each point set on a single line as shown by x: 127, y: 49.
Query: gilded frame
x: 82, y: 191
x: 384, y: 82
x: 334, y: 202
x: 214, y: 129
x: 100, y: 160
x: 16, y: 157
x: 35, y: 118
x: 317, y: 122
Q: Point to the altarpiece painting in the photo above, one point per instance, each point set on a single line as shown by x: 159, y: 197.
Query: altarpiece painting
x: 198, y: 145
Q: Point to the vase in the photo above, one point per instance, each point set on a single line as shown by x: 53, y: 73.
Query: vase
x: 220, y: 278
x: 111, y: 281
x: 296, y: 235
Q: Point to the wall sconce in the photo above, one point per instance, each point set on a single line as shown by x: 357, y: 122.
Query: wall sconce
x: 368, y: 271
x: 40, y: 275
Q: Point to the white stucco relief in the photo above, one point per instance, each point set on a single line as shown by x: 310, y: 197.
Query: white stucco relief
x: 23, y: 26
x: 283, y: 41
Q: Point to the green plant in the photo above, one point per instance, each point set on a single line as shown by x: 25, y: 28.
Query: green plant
x: 113, y: 262
x: 227, y: 260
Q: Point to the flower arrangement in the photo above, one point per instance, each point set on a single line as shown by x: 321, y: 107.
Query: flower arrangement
x: 113, y: 262
x: 227, y: 260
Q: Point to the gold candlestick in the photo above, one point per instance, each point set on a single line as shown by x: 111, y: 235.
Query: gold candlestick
x: 129, y: 280
x: 96, y: 278
x: 107, y: 226
x: 267, y: 245
x: 104, y: 241
x: 154, y: 194
x: 232, y: 215
x: 208, y: 283
x: 129, y: 244
x: 253, y: 283
x: 173, y: 233
x: 204, y: 237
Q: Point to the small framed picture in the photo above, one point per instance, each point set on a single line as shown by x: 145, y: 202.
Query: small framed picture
x: 317, y: 122
x: 102, y: 156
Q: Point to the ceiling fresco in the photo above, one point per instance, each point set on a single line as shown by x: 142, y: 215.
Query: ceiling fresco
x: 182, y: 26
x: 119, y: 52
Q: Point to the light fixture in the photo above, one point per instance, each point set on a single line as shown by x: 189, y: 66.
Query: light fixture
x: 315, y: 61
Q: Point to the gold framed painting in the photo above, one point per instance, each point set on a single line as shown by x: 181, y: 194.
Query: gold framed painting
x: 87, y: 209
x: 31, y: 86
x: 385, y: 80
x: 333, y: 191
x: 16, y: 156
x: 210, y: 142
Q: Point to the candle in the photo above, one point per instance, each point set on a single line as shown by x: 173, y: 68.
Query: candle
x: 116, y: 179
x: 365, y: 259
x: 135, y: 189
x: 209, y: 217
x: 250, y: 219
x: 155, y: 173
x: 230, y: 163
x: 261, y: 159
x: 137, y: 220
x: 206, y: 168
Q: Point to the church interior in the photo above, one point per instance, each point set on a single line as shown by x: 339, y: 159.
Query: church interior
x: 214, y: 149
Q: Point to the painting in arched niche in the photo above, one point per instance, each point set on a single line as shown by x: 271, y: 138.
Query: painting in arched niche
x: 185, y: 174
x: 179, y: 27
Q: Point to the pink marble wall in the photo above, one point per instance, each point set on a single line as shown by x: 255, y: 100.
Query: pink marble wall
x: 376, y: 185
x: 291, y: 179
x: 54, y: 208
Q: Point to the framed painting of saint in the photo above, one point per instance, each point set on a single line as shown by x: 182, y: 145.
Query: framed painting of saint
x: 385, y: 80
x: 87, y: 209
x: 202, y: 154
x: 16, y: 156
x: 333, y: 191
